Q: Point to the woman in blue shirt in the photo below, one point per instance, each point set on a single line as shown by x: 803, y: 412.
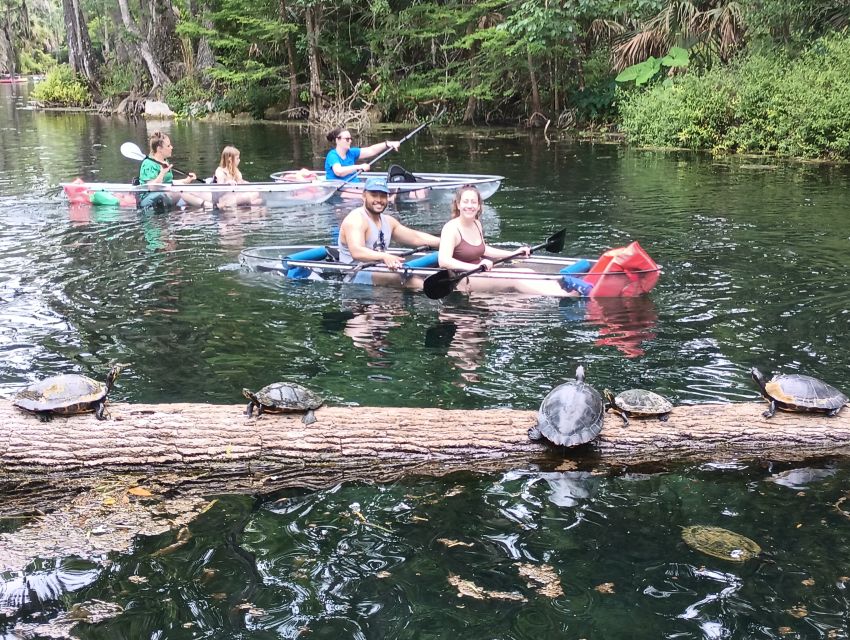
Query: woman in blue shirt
x: 341, y: 162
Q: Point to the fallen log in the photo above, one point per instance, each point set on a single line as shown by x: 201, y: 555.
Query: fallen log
x: 218, y: 445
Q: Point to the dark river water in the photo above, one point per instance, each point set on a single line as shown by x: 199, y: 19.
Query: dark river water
x: 755, y: 257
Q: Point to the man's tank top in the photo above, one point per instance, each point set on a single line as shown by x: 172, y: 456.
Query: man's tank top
x: 373, y: 239
x: 466, y: 252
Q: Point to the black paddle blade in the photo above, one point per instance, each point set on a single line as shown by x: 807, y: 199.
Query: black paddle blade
x: 439, y: 285
x: 555, y: 243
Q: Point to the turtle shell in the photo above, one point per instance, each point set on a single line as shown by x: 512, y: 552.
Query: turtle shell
x: 640, y: 402
x: 288, y: 396
x: 797, y: 392
x: 720, y: 543
x: 63, y: 394
x: 572, y: 413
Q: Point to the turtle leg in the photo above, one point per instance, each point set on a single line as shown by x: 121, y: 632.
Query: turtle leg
x: 834, y: 412
x: 259, y: 410
x: 98, y: 410
x: 664, y: 417
x: 534, y: 433
x: 309, y: 417
x: 44, y: 416
x: 771, y: 409
x: 620, y: 413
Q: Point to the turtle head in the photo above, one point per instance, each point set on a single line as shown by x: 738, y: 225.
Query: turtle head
x: 249, y: 394
x: 609, y: 396
x: 759, y: 378
x: 113, y: 374
x: 580, y: 373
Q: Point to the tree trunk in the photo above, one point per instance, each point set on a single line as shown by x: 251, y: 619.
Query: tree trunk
x: 204, y: 56
x: 313, y: 21
x: 290, y: 56
x: 158, y: 76
x: 536, y: 108
x: 382, y: 444
x: 80, y: 54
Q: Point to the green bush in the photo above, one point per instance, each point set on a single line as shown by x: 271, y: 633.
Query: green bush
x: 763, y: 103
x: 63, y: 88
x: 181, y: 95
x: 118, y: 79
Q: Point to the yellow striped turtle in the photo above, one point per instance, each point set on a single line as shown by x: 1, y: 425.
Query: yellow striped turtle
x: 283, y: 397
x: 797, y: 392
x: 66, y: 394
x: 638, y: 403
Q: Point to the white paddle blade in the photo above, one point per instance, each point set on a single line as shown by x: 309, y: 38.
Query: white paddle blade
x: 132, y: 151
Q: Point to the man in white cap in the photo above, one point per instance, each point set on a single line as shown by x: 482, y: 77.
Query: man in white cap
x: 365, y: 233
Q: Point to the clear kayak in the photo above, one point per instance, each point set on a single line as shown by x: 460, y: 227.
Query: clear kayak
x: 623, y: 272
x: 274, y: 194
x: 406, y: 186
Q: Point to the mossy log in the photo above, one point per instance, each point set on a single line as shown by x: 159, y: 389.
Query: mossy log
x: 218, y: 446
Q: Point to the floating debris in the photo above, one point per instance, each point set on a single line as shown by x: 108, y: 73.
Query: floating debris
x: 90, y: 612
x: 454, y: 543
x: 605, y: 587
x: 467, y: 588
x: 542, y: 577
x: 798, y: 611
x: 721, y: 543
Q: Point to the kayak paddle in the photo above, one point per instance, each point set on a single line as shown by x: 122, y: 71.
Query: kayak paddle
x: 364, y: 265
x: 131, y: 150
x: 442, y: 283
x: 352, y: 176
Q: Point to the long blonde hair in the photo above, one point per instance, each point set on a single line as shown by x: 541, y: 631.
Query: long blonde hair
x: 228, y: 161
x: 459, y: 194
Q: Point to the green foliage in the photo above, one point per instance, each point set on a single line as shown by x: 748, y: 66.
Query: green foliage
x: 181, y: 95
x: 35, y: 61
x: 253, y: 99
x: 117, y: 79
x: 762, y: 104
x: 62, y: 88
x: 644, y: 71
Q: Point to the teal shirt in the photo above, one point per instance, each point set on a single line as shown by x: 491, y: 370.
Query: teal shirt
x: 150, y: 169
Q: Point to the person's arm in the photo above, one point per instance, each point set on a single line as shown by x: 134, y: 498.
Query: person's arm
x: 343, y: 172
x: 353, y: 232
x: 152, y: 172
x: 494, y: 254
x: 379, y: 147
x: 190, y: 177
x: 412, y: 237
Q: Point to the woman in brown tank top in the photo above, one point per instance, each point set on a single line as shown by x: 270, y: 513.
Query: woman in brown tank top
x: 462, y: 245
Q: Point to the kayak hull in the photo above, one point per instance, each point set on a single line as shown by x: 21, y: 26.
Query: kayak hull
x: 549, y: 276
x: 428, y: 186
x: 272, y: 194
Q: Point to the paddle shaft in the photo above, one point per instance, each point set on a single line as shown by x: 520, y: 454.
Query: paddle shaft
x: 372, y: 263
x: 482, y: 267
x: 442, y: 283
x: 388, y: 149
x: 132, y: 151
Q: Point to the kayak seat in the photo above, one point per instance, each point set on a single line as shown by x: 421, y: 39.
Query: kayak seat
x: 333, y: 254
x: 397, y: 173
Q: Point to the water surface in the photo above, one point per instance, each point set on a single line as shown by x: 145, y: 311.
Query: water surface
x: 755, y: 268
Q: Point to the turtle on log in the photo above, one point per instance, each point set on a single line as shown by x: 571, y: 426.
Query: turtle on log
x: 66, y: 394
x: 571, y: 414
x: 638, y: 403
x: 796, y: 392
x: 284, y: 397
